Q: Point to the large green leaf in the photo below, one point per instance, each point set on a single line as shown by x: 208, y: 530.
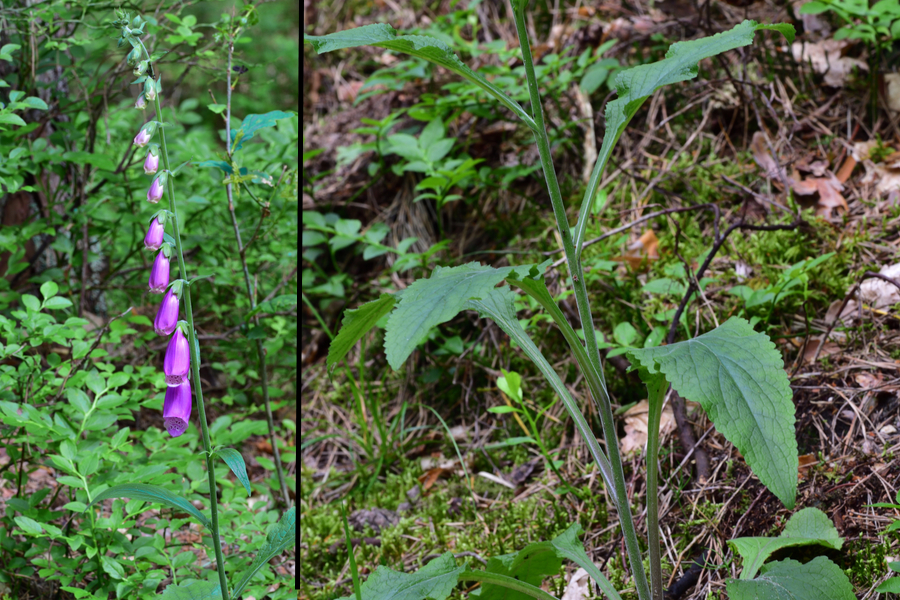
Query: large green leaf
x: 150, y: 493
x: 429, y: 48
x: 282, y: 536
x: 435, y: 580
x: 635, y: 85
x: 498, y: 306
x: 436, y: 300
x: 193, y: 589
x: 738, y: 377
x: 819, y: 579
x: 357, y: 322
x: 809, y: 526
x: 568, y: 546
x: 530, y: 564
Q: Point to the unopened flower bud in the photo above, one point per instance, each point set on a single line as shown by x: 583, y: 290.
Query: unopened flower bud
x: 141, y: 103
x: 159, y: 274
x: 141, y: 68
x: 177, y: 362
x: 151, y: 163
x: 156, y: 188
x: 154, y: 238
x: 134, y: 56
x: 167, y: 316
x: 150, y: 89
x: 177, y: 408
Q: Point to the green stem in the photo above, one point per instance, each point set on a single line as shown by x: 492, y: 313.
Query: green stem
x: 656, y: 393
x: 242, y: 253
x: 195, y: 357
x: 601, y: 396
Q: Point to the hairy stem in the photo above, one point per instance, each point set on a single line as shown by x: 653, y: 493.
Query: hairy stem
x: 598, y: 390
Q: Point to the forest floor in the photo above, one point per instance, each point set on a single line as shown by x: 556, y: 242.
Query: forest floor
x: 802, y: 136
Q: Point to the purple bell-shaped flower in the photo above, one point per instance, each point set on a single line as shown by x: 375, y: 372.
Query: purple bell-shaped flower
x: 177, y: 362
x: 167, y: 316
x: 177, y: 408
x: 159, y: 273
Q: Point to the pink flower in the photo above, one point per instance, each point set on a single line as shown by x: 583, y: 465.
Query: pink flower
x: 156, y: 191
x: 142, y: 138
x: 151, y: 163
x: 154, y: 238
x: 177, y: 362
x: 141, y: 103
x: 177, y: 408
x: 167, y: 317
x: 159, y: 274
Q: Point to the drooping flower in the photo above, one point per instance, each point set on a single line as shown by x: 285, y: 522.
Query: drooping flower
x: 167, y: 316
x: 156, y: 189
x: 141, y: 103
x: 159, y: 273
x: 141, y: 68
x: 142, y: 138
x: 177, y: 408
x: 177, y: 362
x: 154, y: 238
x: 151, y: 163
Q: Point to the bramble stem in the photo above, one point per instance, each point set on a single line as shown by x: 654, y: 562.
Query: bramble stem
x: 594, y: 376
x: 195, y: 354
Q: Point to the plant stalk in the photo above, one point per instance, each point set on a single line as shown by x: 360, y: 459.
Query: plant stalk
x: 195, y: 356
x: 601, y: 396
x: 656, y: 397
x: 242, y: 252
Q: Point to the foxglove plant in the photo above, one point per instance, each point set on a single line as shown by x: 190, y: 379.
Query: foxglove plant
x: 734, y: 373
x: 181, y: 363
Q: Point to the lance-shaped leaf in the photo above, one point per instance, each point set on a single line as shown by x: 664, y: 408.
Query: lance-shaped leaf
x: 235, y: 462
x: 357, y: 323
x: 635, y: 85
x: 436, y: 300
x: 282, y: 536
x: 809, y: 526
x: 193, y: 589
x: 498, y: 306
x: 737, y: 376
x: 421, y: 46
x: 435, y: 581
x: 150, y: 493
x: 819, y: 579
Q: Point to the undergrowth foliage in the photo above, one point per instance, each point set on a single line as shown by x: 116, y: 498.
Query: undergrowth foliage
x: 734, y: 373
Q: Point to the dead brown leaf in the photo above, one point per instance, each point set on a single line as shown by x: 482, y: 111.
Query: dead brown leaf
x: 636, y: 426
x: 828, y: 349
x: 806, y: 461
x: 646, y: 248
x: 827, y: 57
x: 892, y: 91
